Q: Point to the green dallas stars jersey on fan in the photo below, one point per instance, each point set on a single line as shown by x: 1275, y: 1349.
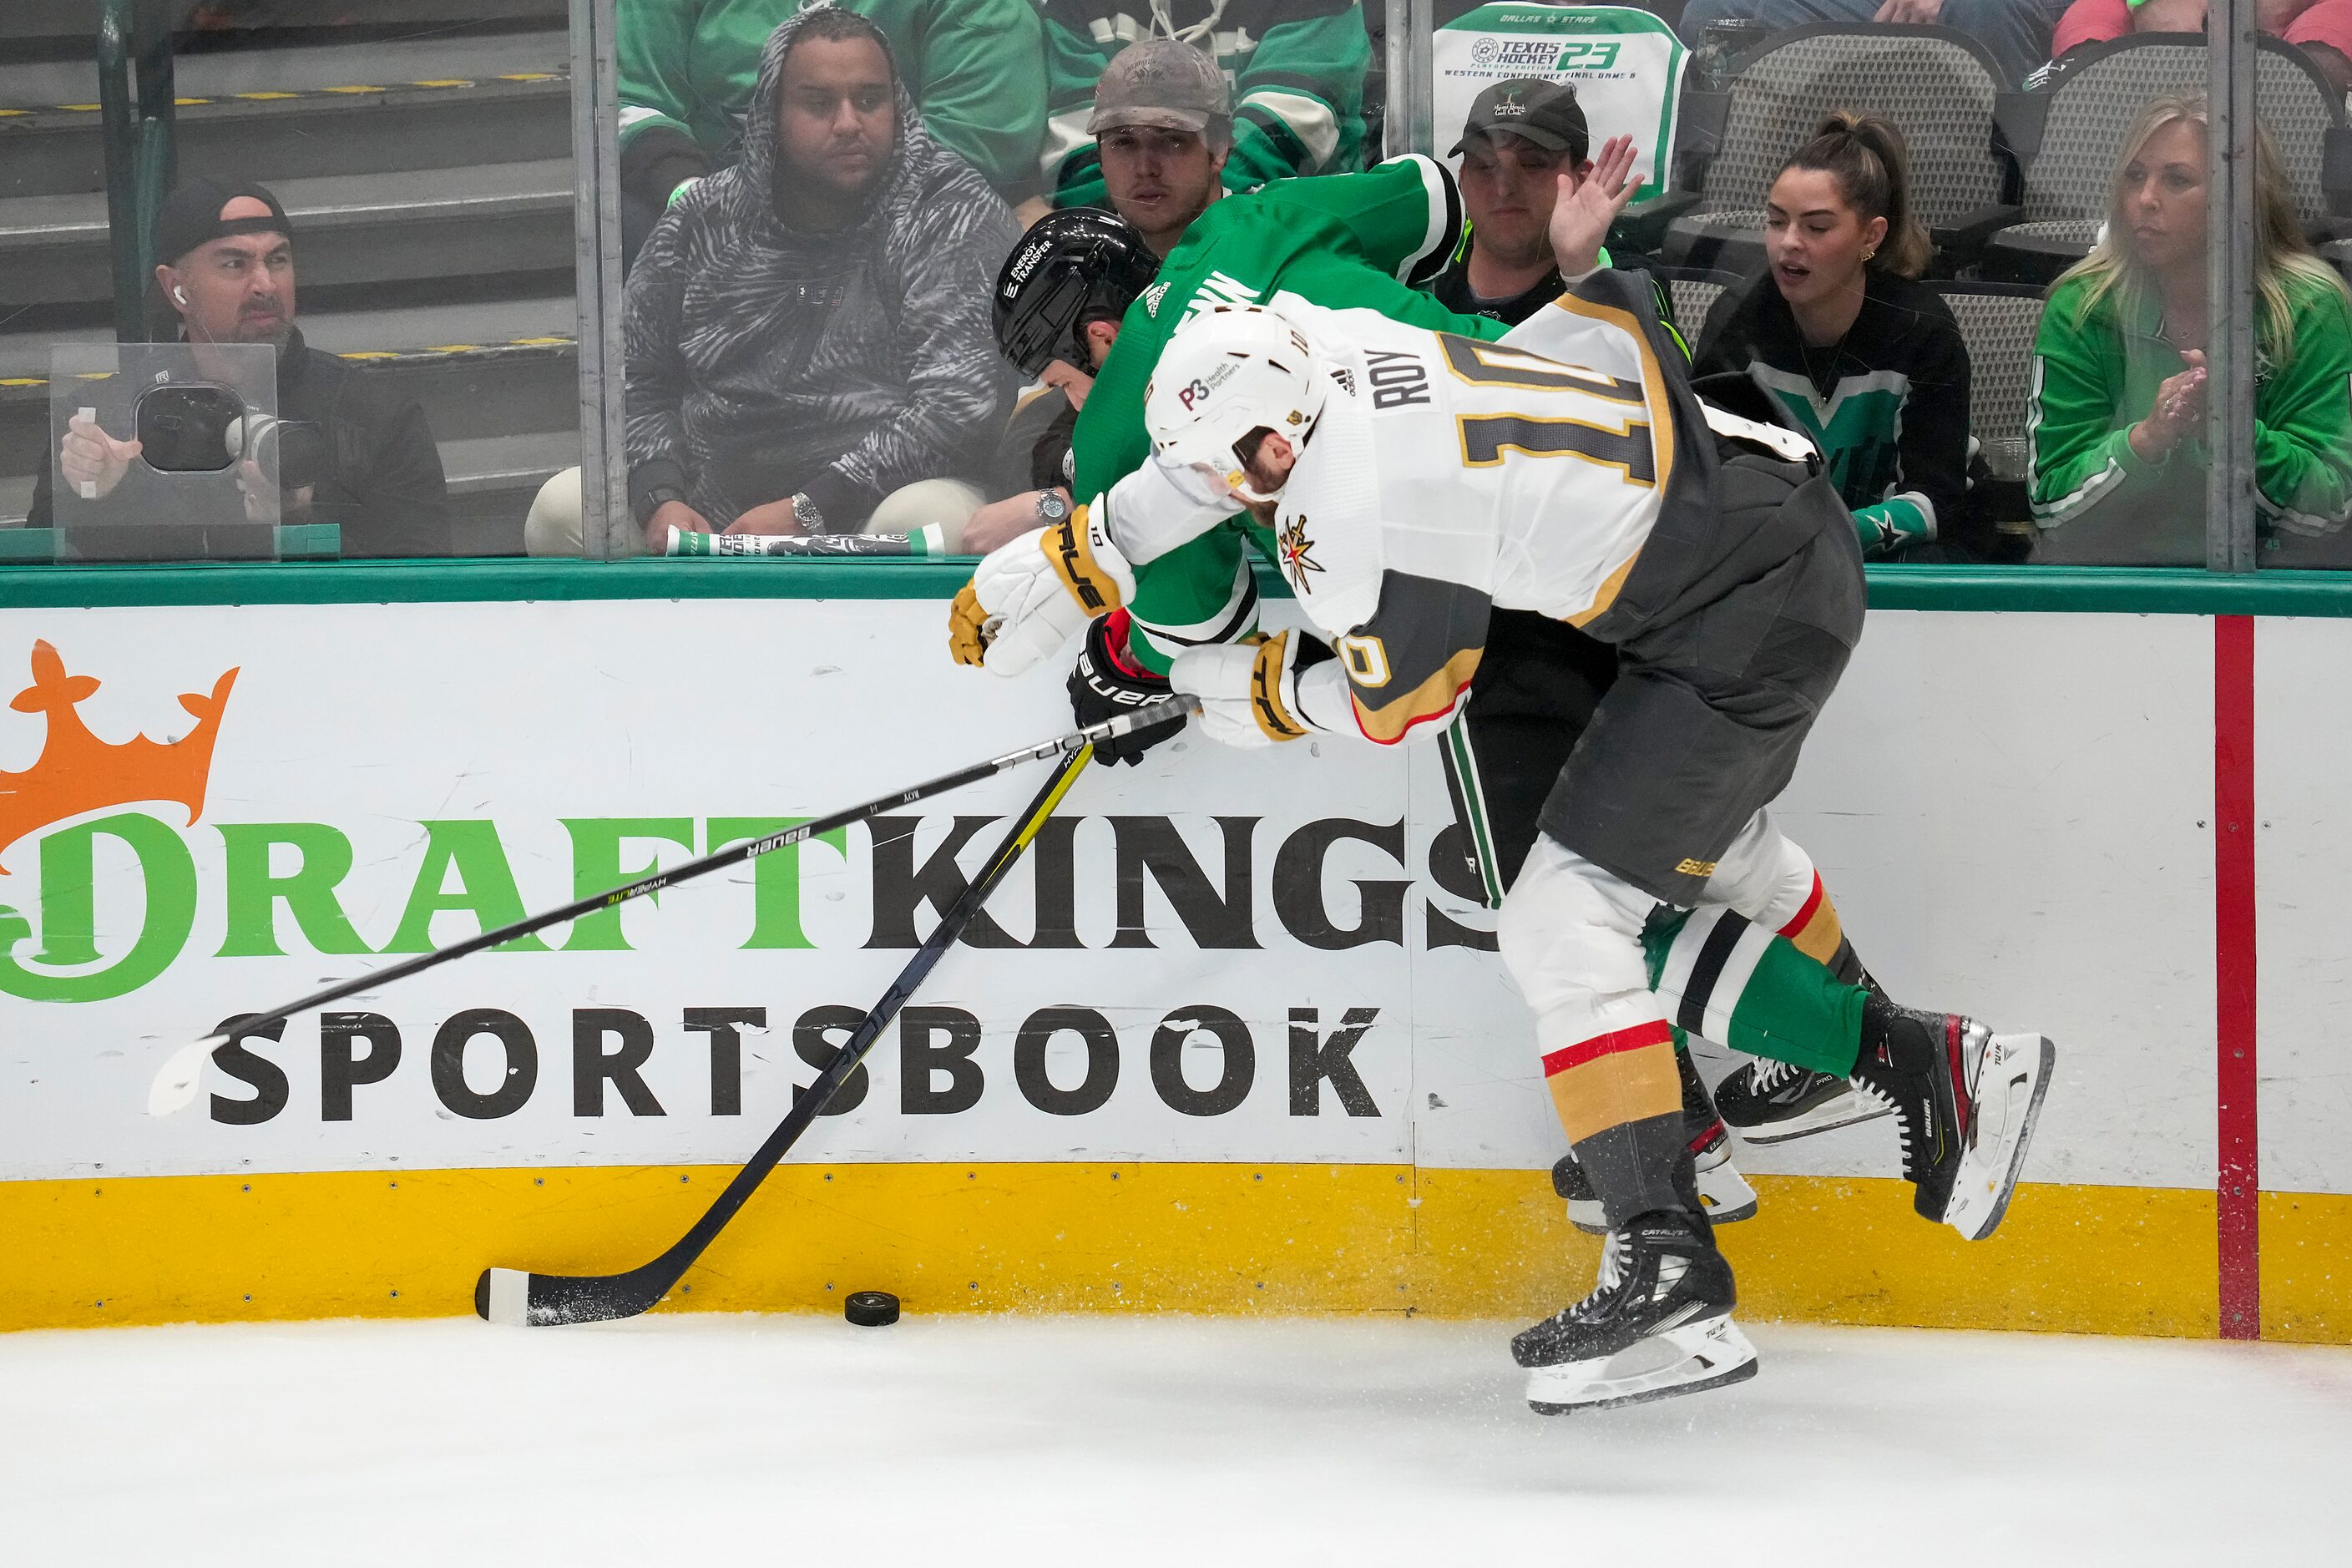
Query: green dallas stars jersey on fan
x: 1368, y: 240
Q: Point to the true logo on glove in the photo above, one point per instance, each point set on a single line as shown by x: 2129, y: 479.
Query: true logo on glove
x: 1078, y: 565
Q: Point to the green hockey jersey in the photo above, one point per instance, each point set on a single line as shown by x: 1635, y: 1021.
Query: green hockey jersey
x: 1369, y: 240
x: 2096, y: 374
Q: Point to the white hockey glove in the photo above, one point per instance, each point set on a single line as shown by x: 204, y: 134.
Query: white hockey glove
x: 1248, y: 690
x: 1030, y: 596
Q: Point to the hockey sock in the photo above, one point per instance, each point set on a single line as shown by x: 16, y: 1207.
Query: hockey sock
x: 1620, y: 1100
x: 1742, y: 986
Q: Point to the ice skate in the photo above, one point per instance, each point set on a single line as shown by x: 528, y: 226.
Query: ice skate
x: 1966, y: 1099
x: 1722, y: 1189
x: 1771, y: 1102
x: 1657, y: 1325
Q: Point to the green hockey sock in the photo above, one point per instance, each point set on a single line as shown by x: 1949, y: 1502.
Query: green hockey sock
x: 1736, y: 984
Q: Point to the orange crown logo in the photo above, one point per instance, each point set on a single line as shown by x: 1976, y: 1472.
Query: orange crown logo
x: 76, y: 772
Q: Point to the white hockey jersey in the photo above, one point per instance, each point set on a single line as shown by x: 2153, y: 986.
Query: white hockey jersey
x: 1567, y: 469
x: 1448, y: 475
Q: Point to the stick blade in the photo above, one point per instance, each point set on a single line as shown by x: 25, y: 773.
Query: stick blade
x: 517, y: 1298
x: 175, y: 1087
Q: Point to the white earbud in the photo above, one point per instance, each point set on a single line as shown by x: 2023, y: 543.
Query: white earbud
x: 180, y: 294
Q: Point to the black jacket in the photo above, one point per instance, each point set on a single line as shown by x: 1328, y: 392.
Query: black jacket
x: 1887, y: 405
x: 381, y: 484
x: 766, y: 360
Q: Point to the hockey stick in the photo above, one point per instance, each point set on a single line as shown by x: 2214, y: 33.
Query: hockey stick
x: 515, y: 1297
x: 175, y: 1087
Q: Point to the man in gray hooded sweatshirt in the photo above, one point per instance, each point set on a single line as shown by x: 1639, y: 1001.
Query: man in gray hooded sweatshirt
x: 808, y: 332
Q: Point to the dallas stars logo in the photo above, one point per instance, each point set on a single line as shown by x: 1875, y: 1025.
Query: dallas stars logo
x: 1295, y: 549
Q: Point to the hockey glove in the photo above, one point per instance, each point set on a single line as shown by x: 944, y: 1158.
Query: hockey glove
x: 1107, y: 682
x: 1248, y: 690
x: 1029, y: 596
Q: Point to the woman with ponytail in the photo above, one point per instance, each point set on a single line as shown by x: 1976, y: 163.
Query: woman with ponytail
x: 1846, y: 345
x: 2117, y: 420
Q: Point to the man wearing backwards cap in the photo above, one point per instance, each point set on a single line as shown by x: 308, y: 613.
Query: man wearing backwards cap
x: 228, y: 272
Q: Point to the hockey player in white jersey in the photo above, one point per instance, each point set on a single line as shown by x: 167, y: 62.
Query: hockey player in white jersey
x: 1415, y: 480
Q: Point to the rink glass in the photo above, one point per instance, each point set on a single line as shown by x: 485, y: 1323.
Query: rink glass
x: 451, y: 168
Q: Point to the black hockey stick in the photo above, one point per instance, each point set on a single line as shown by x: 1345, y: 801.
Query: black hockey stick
x: 519, y: 1298
x: 175, y: 1087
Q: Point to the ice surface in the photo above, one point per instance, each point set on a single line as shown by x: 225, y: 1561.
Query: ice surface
x: 1121, y: 1441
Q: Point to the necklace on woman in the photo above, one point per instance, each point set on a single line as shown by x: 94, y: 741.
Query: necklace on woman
x: 1824, y: 377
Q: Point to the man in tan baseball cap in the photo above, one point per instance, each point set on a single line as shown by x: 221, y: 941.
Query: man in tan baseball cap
x: 1164, y: 119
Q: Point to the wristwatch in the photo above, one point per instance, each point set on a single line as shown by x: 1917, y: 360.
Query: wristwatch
x: 657, y: 498
x: 1052, y: 508
x: 805, y: 513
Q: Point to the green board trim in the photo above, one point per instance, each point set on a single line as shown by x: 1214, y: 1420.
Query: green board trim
x: 2078, y: 590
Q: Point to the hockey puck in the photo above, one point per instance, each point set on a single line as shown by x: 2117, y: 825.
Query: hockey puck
x: 871, y: 1309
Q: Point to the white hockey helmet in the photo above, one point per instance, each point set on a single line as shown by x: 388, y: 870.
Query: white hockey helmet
x: 1224, y: 373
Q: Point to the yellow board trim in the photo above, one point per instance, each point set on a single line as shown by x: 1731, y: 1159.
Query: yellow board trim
x: 2306, y: 1278
x: 1226, y: 1239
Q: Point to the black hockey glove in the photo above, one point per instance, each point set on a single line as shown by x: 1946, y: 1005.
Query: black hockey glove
x: 1106, y: 682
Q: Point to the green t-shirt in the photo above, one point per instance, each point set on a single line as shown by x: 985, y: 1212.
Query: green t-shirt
x: 1343, y: 241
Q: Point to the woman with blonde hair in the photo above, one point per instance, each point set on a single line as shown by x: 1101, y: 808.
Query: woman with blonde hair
x: 2117, y: 422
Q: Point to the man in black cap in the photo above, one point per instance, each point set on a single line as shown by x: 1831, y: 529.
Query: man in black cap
x: 369, y: 463
x: 1521, y: 136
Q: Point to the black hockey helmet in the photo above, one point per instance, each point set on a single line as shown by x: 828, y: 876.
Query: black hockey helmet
x: 1073, y: 267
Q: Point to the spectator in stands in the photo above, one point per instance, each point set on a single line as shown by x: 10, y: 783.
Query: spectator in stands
x: 975, y: 67
x: 1844, y: 344
x: 228, y: 274
x: 1521, y: 139
x: 1165, y: 118
x: 1297, y: 67
x: 2016, y: 33
x: 807, y: 331
x: 2118, y: 414
x: 2321, y: 28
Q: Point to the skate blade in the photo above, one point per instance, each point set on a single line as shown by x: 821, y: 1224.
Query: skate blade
x: 1690, y: 1358
x: 2020, y: 1066
x: 1847, y: 1111
x: 1723, y: 1192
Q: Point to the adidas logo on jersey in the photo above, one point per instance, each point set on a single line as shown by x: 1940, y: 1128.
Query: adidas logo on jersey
x: 1151, y: 298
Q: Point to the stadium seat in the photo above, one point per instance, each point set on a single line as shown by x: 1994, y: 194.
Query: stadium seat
x: 1938, y: 86
x: 1695, y: 294
x: 2068, y: 134
x: 1997, y: 325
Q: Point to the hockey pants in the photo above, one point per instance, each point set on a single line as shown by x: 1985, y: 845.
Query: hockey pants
x: 1571, y: 934
x: 1789, y: 989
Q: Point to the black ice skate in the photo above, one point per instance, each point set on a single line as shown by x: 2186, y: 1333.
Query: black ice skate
x: 1722, y: 1190
x: 1771, y: 1102
x: 1658, y: 1324
x: 1966, y: 1099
